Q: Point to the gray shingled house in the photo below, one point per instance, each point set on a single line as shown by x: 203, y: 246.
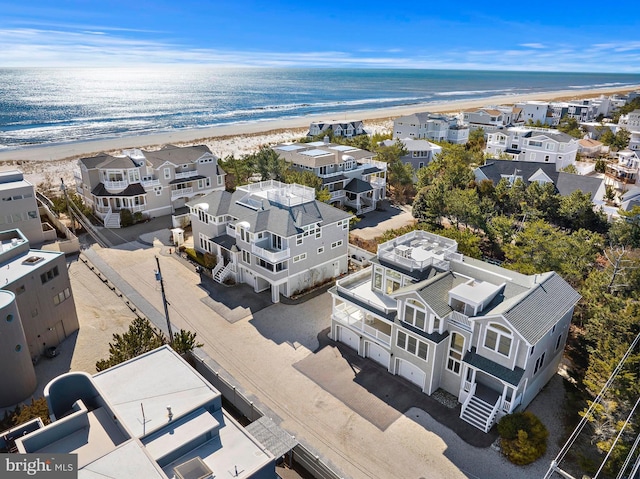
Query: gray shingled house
x: 490, y: 336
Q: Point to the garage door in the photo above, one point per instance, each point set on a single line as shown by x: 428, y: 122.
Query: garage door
x: 377, y: 353
x: 348, y: 337
x: 410, y: 372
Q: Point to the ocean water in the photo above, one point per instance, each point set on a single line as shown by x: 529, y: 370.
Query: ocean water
x: 51, y: 105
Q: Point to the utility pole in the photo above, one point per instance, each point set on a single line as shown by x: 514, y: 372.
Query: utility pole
x: 164, y: 300
x: 63, y: 187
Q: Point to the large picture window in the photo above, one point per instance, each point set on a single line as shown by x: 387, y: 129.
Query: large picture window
x: 415, y: 314
x: 412, y: 345
x: 498, y: 338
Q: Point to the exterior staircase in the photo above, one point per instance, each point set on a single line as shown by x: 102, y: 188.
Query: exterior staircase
x: 223, y: 273
x: 479, y: 413
x: 112, y: 220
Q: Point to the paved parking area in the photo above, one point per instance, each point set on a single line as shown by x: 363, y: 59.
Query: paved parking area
x: 352, y: 412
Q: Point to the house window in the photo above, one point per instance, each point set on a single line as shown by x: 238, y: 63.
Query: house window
x: 392, y: 282
x: 49, y: 275
x: 412, y: 345
x: 167, y: 173
x: 456, y: 346
x: 61, y: 296
x: 539, y: 363
x: 558, y: 342
x: 204, y: 183
x: 246, y: 257
x: 546, y: 158
x: 321, y: 250
x: 300, y: 257
x: 377, y: 279
x: 219, y: 180
x: 421, y: 164
x: 158, y: 190
x: 498, y: 338
x: 298, y: 240
x: 336, y: 244
x: 415, y: 313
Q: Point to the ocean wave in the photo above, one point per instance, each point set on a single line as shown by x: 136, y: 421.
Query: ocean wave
x: 600, y: 85
x: 474, y: 92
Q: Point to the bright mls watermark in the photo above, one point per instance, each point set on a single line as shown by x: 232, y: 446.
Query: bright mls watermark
x: 51, y: 466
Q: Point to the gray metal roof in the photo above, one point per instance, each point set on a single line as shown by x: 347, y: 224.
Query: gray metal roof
x: 357, y: 185
x: 281, y: 220
x: 495, y: 169
x: 104, y: 160
x: 175, y: 154
x: 534, y: 312
x: 134, y: 189
x: 568, y: 183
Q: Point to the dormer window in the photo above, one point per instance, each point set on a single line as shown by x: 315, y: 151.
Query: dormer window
x: 498, y: 338
x: 415, y: 313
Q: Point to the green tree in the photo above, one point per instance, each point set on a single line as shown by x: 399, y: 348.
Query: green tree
x: 625, y: 231
x: 468, y: 242
x: 238, y: 170
x: 269, y: 164
x: 523, y: 437
x: 142, y: 337
x: 400, y: 179
x: 429, y: 204
x: 570, y: 126
x: 576, y: 211
x: 616, y: 142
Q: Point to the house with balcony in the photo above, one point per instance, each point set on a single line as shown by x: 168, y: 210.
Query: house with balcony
x: 623, y: 172
x: 540, y: 145
x: 154, y: 183
x: 490, y: 336
x: 344, y: 129
x: 489, y: 119
x: 271, y: 235
x: 351, y: 175
x: 430, y: 126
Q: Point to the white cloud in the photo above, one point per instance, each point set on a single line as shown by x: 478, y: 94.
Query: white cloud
x: 95, y: 45
x: 532, y: 45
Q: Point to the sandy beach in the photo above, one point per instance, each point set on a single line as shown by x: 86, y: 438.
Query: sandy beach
x: 58, y: 160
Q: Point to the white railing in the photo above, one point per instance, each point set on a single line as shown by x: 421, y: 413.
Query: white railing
x: 150, y: 183
x: 334, y: 195
x: 77, y: 175
x: 271, y: 256
x: 136, y: 208
x: 181, y: 192
x: 231, y: 231
x: 466, y: 402
x: 107, y: 216
x: 467, y: 386
x: 378, y: 182
x: 367, y: 161
x: 348, y: 315
x: 492, y: 416
x: 115, y: 185
x: 186, y: 174
x: 376, y: 333
x: 460, y: 319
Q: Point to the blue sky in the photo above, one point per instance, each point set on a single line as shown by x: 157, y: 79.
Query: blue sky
x: 552, y: 36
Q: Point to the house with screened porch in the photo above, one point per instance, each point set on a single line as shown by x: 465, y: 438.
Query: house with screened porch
x: 490, y: 336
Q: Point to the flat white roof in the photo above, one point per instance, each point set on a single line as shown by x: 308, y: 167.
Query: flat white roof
x: 289, y: 147
x: 342, y: 148
x: 315, y: 153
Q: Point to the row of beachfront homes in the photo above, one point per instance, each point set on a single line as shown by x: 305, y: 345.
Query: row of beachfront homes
x: 157, y: 183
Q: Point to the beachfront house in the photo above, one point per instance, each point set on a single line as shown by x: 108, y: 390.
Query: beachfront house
x: 430, y: 126
x: 590, y: 148
x: 353, y: 178
x: 153, y: 183
x: 344, y: 129
x: 489, y: 336
x: 540, y: 145
x: 271, y: 235
x: 419, y: 152
x: 152, y: 417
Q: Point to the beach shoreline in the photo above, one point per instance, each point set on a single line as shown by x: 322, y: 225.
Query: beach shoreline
x: 242, y: 138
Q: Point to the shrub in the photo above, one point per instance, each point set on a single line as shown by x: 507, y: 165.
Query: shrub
x: 138, y: 217
x: 126, y: 218
x: 523, y: 437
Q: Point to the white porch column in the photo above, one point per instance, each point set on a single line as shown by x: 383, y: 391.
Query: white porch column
x: 275, y: 293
